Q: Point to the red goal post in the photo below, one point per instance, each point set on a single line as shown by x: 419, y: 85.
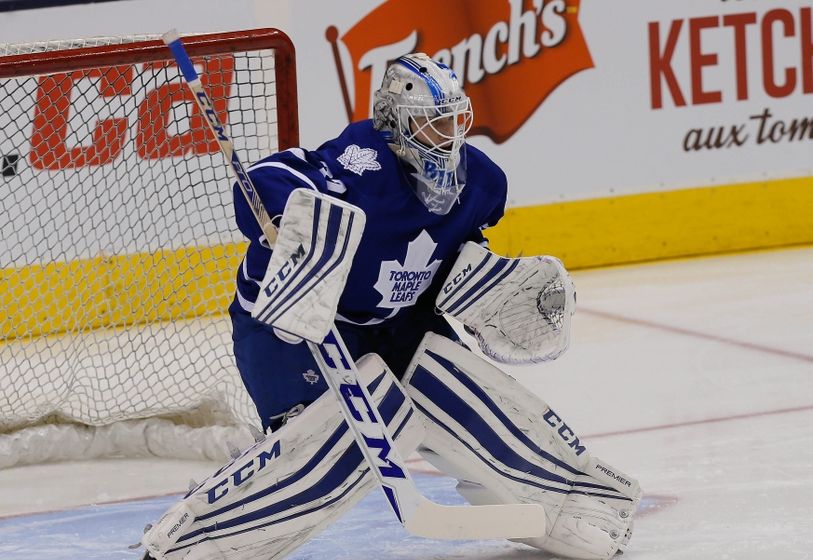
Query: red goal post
x: 119, y: 248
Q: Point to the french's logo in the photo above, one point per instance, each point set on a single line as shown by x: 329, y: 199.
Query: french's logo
x: 508, y: 54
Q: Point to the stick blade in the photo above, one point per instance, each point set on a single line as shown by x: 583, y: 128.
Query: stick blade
x: 500, y: 521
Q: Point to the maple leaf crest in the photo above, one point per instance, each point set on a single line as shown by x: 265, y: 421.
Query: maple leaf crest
x: 400, y: 285
x: 358, y: 160
x: 311, y: 377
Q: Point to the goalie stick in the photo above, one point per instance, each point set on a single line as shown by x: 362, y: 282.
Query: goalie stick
x: 416, y: 513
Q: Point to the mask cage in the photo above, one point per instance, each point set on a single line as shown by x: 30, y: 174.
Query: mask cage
x: 437, y: 132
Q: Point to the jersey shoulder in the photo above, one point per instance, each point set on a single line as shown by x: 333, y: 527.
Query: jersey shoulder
x: 358, y: 148
x: 484, y: 173
x: 359, y: 153
x: 486, y: 185
x: 294, y: 167
x: 360, y: 133
x: 274, y: 178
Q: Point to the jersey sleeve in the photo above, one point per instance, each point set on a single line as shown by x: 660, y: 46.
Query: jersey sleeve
x: 498, y: 197
x: 274, y: 178
x: 493, y: 207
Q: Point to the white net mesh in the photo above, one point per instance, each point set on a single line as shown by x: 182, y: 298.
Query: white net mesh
x: 7, y: 49
x: 118, y: 246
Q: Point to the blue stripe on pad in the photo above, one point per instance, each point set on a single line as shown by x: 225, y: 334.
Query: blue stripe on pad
x: 311, y: 250
x: 349, y: 461
x: 320, y: 264
x: 466, y: 280
x: 486, y: 461
x: 600, y: 495
x: 333, y: 223
x: 478, y: 392
x: 496, y: 281
x: 495, y: 270
x: 373, y: 385
x: 351, y: 456
x: 446, y: 399
x: 503, y: 474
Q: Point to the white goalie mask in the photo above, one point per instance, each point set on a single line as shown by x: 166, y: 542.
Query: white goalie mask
x: 425, y: 115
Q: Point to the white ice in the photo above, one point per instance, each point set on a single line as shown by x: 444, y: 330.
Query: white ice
x: 695, y: 376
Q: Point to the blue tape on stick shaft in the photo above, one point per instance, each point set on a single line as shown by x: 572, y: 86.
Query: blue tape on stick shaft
x: 179, y: 52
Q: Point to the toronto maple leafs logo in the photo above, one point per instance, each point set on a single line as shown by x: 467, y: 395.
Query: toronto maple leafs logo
x: 400, y: 285
x: 358, y: 160
x: 311, y: 377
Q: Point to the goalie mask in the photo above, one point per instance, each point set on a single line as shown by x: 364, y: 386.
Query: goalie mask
x: 425, y: 115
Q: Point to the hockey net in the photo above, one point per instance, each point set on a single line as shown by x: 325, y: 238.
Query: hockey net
x: 119, y: 249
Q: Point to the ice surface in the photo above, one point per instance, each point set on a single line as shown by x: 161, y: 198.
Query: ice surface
x: 696, y: 376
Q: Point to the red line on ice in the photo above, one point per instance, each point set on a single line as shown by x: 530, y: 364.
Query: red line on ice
x: 705, y: 421
x: 697, y: 334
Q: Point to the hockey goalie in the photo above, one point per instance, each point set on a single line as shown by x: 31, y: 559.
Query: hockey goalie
x: 380, y: 234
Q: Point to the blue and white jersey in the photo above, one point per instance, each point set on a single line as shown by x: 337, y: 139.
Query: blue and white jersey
x: 405, y: 252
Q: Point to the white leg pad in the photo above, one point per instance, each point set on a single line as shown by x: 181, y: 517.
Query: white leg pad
x: 283, y: 490
x: 505, y: 445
